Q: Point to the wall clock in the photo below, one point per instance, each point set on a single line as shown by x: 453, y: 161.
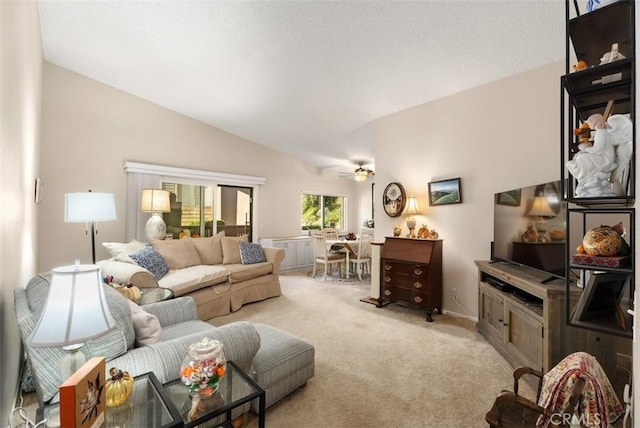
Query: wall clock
x: 394, y: 199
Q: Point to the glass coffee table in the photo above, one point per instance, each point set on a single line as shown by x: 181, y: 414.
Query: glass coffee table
x: 154, y: 294
x: 235, y: 389
x: 148, y: 406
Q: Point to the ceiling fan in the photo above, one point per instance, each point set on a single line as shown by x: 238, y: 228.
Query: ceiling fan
x: 360, y: 174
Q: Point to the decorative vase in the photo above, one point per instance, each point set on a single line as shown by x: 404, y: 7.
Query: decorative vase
x: 203, y: 367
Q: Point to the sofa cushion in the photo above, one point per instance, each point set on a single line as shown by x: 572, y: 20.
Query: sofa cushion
x: 231, y: 249
x: 151, y: 260
x: 120, y: 250
x: 177, y: 253
x: 239, y: 272
x: 251, y: 253
x: 146, y: 325
x: 210, y: 249
x: 183, y: 281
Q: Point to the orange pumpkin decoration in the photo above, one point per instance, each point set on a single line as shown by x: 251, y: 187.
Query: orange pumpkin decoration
x: 602, y: 241
x: 423, y: 232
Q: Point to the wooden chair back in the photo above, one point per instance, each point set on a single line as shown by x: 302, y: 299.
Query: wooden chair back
x: 330, y: 233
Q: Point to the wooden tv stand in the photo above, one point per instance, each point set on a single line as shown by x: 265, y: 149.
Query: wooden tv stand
x: 535, y: 333
x: 526, y: 321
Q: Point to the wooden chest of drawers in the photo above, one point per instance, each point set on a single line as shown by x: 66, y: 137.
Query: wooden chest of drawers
x: 411, y: 273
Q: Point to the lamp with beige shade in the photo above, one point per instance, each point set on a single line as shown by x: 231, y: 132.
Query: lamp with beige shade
x: 155, y: 201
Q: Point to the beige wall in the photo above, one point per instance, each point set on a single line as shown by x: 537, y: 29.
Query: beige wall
x: 495, y: 137
x: 90, y: 129
x: 20, y: 80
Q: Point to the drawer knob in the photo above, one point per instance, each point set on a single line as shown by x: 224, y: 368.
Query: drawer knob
x: 387, y: 267
x: 387, y: 279
x: 417, y: 284
x: 387, y: 292
x: 417, y: 271
x: 417, y: 299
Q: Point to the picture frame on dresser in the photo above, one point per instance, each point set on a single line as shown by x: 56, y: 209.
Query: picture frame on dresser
x: 601, y: 296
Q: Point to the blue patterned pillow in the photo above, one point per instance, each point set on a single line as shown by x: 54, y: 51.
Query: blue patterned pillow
x: 151, y: 260
x: 251, y: 253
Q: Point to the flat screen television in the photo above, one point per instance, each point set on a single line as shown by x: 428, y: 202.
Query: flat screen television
x: 529, y: 228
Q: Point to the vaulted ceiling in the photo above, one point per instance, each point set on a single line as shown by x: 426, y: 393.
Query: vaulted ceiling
x: 302, y: 77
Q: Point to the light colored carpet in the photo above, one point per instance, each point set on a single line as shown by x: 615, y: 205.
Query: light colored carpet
x: 379, y: 367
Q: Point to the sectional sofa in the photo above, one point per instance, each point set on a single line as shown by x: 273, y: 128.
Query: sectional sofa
x: 155, y: 337
x: 220, y: 273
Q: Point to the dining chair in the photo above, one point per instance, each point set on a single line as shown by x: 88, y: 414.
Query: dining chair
x: 330, y: 233
x: 362, y: 255
x: 366, y: 231
x: 322, y: 255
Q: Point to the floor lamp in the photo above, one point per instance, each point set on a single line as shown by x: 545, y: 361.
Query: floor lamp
x: 89, y: 208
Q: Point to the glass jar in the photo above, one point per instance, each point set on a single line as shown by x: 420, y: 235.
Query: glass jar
x: 203, y: 367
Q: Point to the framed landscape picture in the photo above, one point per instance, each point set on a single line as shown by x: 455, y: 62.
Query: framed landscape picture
x: 445, y: 192
x: 511, y: 198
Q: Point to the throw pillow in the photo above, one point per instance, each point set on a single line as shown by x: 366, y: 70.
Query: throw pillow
x: 152, y: 261
x: 210, y: 249
x: 147, y: 326
x: 231, y: 249
x: 251, y: 253
x: 178, y: 253
x: 120, y: 251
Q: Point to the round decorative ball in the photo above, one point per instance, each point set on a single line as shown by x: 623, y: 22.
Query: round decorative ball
x: 602, y: 241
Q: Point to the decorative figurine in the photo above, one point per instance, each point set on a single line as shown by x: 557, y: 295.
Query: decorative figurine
x: 593, y: 166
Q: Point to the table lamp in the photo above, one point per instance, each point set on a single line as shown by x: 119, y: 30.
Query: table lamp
x: 412, y: 210
x: 155, y: 201
x: 75, y: 311
x: 541, y: 209
x: 89, y: 208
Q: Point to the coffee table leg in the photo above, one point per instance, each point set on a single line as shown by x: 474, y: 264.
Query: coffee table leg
x: 261, y: 415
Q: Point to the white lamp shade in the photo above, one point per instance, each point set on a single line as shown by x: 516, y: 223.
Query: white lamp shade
x: 76, y: 309
x: 541, y: 208
x: 85, y: 207
x: 412, y: 206
x: 155, y: 201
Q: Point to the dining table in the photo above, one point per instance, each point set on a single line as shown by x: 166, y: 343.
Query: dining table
x: 346, y: 245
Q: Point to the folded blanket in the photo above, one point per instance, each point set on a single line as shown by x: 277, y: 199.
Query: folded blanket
x: 599, y: 405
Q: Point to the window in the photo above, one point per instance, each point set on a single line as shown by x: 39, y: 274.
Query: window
x: 203, y: 202
x: 193, y: 210
x: 320, y: 211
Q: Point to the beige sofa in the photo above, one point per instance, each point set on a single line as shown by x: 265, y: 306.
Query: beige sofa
x: 210, y: 270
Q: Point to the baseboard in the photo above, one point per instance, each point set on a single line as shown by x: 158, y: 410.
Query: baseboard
x: 459, y: 315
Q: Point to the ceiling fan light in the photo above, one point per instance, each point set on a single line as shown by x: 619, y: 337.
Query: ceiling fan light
x: 361, y: 176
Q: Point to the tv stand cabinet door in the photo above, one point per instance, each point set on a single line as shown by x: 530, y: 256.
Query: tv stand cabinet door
x: 524, y: 337
x: 491, y: 322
